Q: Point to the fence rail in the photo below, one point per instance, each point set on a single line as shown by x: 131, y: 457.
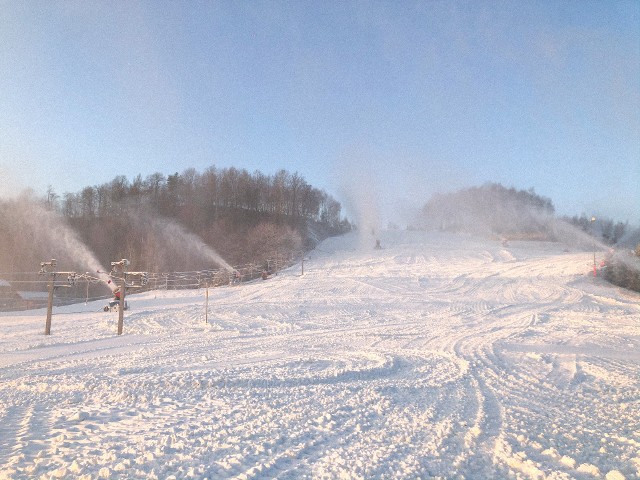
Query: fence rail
x: 28, y: 290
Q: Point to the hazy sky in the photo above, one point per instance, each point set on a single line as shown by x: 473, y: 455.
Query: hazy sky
x: 397, y: 99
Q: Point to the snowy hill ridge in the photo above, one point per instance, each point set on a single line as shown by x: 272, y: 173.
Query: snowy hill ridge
x: 438, y: 356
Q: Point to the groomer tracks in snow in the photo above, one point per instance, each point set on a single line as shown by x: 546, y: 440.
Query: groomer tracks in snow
x: 437, y: 356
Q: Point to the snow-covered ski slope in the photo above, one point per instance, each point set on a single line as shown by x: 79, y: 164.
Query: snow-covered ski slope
x: 437, y: 356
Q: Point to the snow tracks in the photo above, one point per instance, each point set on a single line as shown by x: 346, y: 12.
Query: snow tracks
x: 435, y: 357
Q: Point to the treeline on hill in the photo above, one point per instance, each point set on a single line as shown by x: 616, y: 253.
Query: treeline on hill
x: 623, y: 261
x: 244, y: 217
x: 490, y: 209
x: 623, y: 268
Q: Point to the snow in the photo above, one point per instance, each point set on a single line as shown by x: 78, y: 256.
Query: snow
x: 438, y: 356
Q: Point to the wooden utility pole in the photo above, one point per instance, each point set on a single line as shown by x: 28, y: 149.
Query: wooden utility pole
x: 52, y: 278
x: 47, y: 327
x: 123, y: 288
x: 206, y: 304
x: 121, y: 266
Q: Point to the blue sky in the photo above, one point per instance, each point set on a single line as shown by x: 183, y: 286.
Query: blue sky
x: 402, y: 98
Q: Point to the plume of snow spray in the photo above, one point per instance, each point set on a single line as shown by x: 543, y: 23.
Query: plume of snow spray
x: 177, y: 234
x: 59, y: 238
x: 361, y: 199
x: 179, y: 238
x: 575, y: 237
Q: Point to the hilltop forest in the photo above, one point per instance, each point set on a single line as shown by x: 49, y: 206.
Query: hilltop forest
x: 244, y: 217
x: 249, y: 218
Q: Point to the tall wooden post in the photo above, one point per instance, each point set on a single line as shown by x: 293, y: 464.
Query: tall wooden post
x: 206, y: 304
x: 123, y: 288
x: 47, y: 327
x: 275, y: 263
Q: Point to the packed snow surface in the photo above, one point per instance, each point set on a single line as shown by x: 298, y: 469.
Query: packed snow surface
x: 436, y: 356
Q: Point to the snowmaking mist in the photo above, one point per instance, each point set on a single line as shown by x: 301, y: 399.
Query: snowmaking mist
x: 380, y: 191
x: 495, y: 211
x: 621, y: 252
x: 52, y: 237
x: 574, y: 237
x: 361, y: 198
x: 177, y: 240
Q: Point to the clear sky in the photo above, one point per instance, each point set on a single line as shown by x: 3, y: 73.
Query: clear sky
x: 400, y: 99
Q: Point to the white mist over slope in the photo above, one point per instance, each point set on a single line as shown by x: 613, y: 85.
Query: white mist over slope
x: 50, y: 232
x: 361, y: 196
x: 177, y: 239
x: 438, y: 356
